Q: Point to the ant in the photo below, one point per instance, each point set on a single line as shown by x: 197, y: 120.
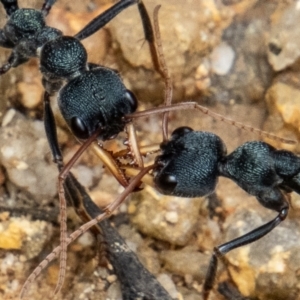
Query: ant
x: 189, y: 166
x: 136, y: 281
x: 81, y: 86
x: 191, y: 162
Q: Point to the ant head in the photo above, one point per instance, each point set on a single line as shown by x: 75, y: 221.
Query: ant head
x: 23, y: 23
x: 188, y: 165
x: 96, y: 99
x: 64, y: 57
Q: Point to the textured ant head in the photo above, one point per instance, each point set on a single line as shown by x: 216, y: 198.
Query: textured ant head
x: 188, y: 165
x: 23, y: 24
x: 97, y: 99
x: 63, y: 58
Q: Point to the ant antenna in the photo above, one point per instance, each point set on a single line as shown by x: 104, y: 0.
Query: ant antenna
x: 206, y: 111
x: 47, y: 6
x: 164, y: 72
x: 85, y: 227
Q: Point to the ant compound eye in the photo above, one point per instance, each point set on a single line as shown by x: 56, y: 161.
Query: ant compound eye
x: 181, y: 131
x: 79, y: 129
x: 164, y: 145
x: 167, y: 183
x: 130, y: 97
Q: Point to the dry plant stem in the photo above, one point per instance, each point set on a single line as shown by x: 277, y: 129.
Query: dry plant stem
x: 204, y: 110
x: 85, y: 227
x: 63, y: 209
x: 164, y: 72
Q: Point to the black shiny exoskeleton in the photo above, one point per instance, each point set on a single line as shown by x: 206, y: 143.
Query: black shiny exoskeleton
x: 188, y: 165
x: 191, y: 162
x: 94, y: 97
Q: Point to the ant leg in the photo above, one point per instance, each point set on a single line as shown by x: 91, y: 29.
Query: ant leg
x: 5, y: 68
x: 134, y: 278
x: 10, y: 6
x: 50, y: 128
x: 149, y: 36
x: 109, y: 14
x: 246, y: 239
x: 206, y: 111
x: 51, y: 133
x: 19, y: 55
x: 103, y: 19
x: 4, y: 42
x: 85, y: 227
x: 47, y: 7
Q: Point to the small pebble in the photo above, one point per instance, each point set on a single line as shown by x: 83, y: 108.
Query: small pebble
x: 111, y: 278
x: 222, y: 58
x: 171, y: 216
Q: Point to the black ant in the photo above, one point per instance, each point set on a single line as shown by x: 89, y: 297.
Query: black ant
x: 191, y: 162
x: 189, y: 166
x: 136, y: 281
x: 64, y: 59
